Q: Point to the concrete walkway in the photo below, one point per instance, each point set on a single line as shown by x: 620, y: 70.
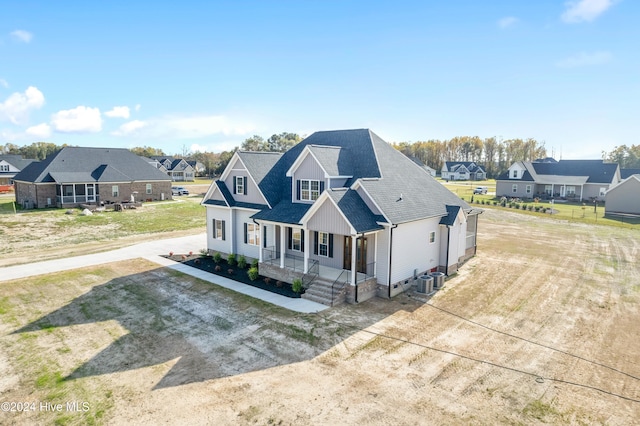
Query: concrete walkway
x: 153, y: 251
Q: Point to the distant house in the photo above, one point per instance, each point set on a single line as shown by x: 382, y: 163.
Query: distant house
x: 341, y: 210
x: 462, y: 170
x: 565, y: 179
x: 428, y: 169
x: 10, y: 165
x: 77, y: 175
x: 624, y: 198
x: 179, y: 169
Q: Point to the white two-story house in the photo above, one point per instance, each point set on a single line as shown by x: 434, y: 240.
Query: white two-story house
x: 342, y: 207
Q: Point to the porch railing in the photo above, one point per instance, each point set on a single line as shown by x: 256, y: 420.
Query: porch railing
x: 311, y: 274
x: 339, y: 283
x: 269, y: 254
x: 272, y: 257
x: 370, y: 273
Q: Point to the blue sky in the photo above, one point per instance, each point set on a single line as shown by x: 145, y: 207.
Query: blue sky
x: 207, y: 75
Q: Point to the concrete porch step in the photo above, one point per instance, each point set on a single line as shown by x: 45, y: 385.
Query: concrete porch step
x: 320, y: 291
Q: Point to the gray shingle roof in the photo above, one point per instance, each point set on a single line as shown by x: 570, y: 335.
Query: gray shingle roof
x: 596, y: 171
x: 16, y: 160
x: 422, y: 197
x: 355, y: 210
x: 335, y: 160
x: 94, y: 164
x: 625, y: 173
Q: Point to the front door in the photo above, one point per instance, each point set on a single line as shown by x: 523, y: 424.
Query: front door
x: 361, y: 254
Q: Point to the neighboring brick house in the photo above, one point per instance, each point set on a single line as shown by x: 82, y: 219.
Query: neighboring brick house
x: 77, y: 175
x: 343, y: 209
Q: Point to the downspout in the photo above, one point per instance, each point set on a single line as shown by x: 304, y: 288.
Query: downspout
x: 390, y: 250
x: 446, y: 262
x: 365, y: 274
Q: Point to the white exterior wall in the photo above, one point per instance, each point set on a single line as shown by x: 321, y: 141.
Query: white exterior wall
x: 624, y: 198
x: 219, y: 213
x: 382, y: 264
x: 412, y: 250
x: 242, y: 216
x: 253, y: 193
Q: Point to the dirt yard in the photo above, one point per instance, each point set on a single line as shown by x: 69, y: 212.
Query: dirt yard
x: 540, y: 327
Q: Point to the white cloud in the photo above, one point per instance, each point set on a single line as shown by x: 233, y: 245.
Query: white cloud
x: 81, y: 119
x: 4, y: 83
x: 17, y: 107
x: 118, y: 112
x: 129, y: 128
x: 585, y: 59
x: 185, y: 127
x: 40, y: 131
x: 21, y: 36
x: 585, y: 10
x: 507, y: 21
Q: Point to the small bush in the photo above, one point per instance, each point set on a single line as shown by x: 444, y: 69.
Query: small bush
x: 254, y: 264
x: 217, y: 257
x: 218, y: 268
x: 253, y: 274
x: 279, y: 284
x: 242, y: 262
x: 267, y: 280
x: 230, y: 271
x: 231, y: 259
x: 204, y: 253
x: 296, y: 285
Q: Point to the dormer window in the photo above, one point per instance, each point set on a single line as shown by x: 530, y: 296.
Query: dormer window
x: 240, y: 185
x: 309, y: 190
x: 514, y: 174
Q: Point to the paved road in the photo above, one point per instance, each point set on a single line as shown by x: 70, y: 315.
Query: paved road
x: 152, y: 251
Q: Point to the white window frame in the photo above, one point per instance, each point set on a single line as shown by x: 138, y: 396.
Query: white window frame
x: 323, y: 244
x: 307, y: 190
x: 514, y: 188
x: 528, y: 189
x: 603, y: 191
x: 296, y: 239
x: 239, y: 184
x: 515, y: 174
x: 149, y: 188
x: 570, y: 191
x: 217, y: 229
x: 115, y: 191
x: 4, y: 167
x: 253, y: 234
x: 432, y: 237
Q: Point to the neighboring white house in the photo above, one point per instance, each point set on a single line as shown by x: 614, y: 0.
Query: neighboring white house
x: 10, y: 166
x: 565, y: 179
x: 624, y: 198
x: 178, y: 169
x: 342, y: 207
x: 462, y: 170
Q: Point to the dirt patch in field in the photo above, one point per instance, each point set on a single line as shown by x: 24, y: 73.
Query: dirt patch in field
x: 540, y: 327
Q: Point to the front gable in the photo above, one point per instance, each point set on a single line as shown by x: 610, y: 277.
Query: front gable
x: 240, y: 183
x: 326, y: 217
x: 516, y: 171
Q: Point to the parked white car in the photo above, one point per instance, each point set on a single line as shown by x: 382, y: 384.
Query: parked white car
x: 480, y: 190
x: 179, y: 190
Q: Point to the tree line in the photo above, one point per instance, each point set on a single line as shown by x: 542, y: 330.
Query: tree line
x: 495, y: 155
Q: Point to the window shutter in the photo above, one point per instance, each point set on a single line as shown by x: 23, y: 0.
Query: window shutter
x: 302, y: 240
x: 215, y: 229
x: 289, y: 237
x: 298, y: 189
x: 245, y: 232
x: 264, y: 236
x: 234, y: 184
x: 244, y: 181
x: 224, y: 230
x: 321, y: 186
x: 315, y: 242
x: 330, y: 245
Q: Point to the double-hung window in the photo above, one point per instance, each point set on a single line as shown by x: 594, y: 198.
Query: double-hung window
x: 323, y: 244
x: 114, y: 191
x: 149, y: 188
x: 309, y: 189
x: 252, y: 234
x: 218, y: 229
x: 296, y: 239
x: 240, y: 185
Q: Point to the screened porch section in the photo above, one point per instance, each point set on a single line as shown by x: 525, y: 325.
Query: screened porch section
x: 76, y: 193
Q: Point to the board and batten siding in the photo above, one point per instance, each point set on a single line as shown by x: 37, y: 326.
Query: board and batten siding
x: 411, y: 248
x: 309, y: 169
x: 253, y: 193
x: 218, y: 213
x: 328, y: 219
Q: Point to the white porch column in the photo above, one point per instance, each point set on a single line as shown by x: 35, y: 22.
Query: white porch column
x: 353, y: 259
x: 262, y: 235
x: 581, y: 187
x: 232, y: 232
x: 282, y: 246
x: 375, y: 254
x: 306, y: 249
